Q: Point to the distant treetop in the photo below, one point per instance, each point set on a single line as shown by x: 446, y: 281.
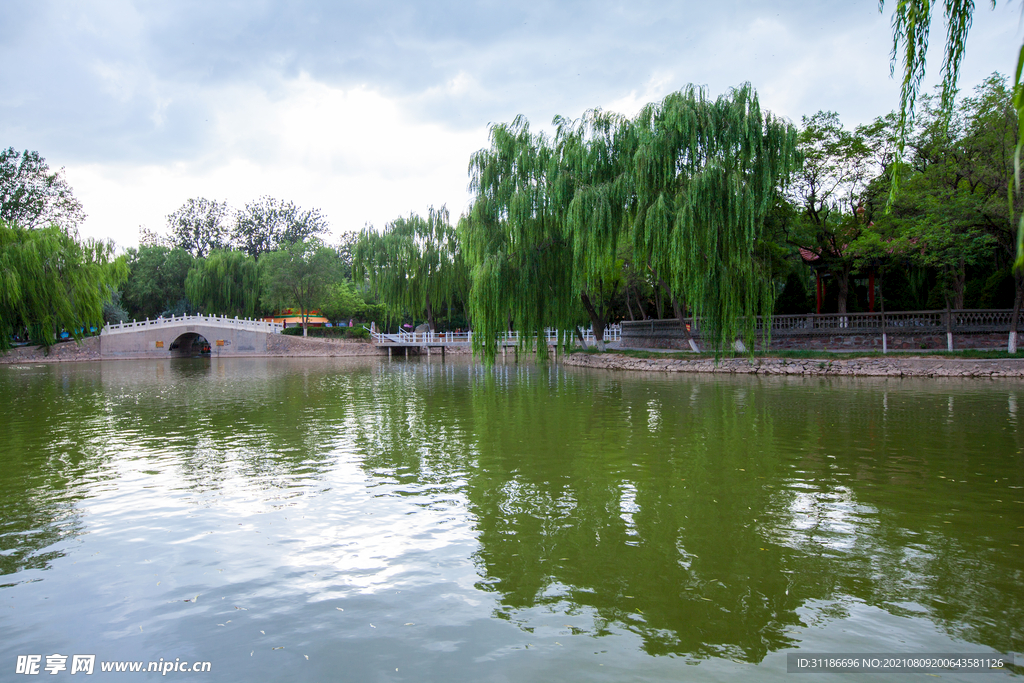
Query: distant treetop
x: 33, y: 196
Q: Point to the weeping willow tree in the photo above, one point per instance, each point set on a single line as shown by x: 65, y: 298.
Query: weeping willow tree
x: 516, y: 242
x: 706, y: 174
x: 225, y: 283
x: 50, y: 281
x: 414, y: 265
x: 596, y: 165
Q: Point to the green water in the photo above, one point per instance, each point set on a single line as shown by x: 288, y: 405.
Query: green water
x: 372, y: 521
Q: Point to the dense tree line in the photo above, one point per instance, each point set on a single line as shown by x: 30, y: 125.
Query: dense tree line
x: 710, y: 207
x: 51, y: 282
x: 256, y: 261
x: 696, y: 207
x: 946, y: 238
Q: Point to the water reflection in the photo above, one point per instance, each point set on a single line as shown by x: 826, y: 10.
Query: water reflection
x: 708, y: 529
x: 706, y: 517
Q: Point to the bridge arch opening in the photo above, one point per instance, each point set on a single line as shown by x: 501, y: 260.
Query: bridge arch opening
x: 190, y: 344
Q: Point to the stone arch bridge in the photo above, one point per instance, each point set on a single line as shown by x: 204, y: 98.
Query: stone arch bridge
x: 176, y: 336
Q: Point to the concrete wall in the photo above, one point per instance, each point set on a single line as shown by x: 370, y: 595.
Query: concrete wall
x: 666, y: 334
x: 986, y: 340
x: 156, y: 342
x: 279, y: 345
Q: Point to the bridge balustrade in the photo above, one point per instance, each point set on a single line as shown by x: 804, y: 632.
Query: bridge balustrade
x: 611, y: 333
x: 210, y: 320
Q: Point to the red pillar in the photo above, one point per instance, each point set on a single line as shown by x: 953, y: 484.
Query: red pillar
x: 871, y: 292
x: 817, y: 292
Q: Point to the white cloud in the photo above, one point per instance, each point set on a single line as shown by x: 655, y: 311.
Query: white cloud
x: 660, y: 84
x: 376, y: 113
x: 357, y: 155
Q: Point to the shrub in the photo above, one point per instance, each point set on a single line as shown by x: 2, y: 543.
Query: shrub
x: 330, y: 332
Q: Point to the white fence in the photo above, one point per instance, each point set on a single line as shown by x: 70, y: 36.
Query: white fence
x: 209, y: 320
x: 611, y: 333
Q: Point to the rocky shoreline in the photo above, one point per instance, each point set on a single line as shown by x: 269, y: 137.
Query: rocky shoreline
x: 893, y: 366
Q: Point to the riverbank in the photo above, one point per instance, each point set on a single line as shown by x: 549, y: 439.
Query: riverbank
x: 278, y: 346
x: 889, y: 366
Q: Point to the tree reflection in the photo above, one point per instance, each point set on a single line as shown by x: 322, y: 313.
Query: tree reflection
x: 42, y: 478
x: 704, y: 513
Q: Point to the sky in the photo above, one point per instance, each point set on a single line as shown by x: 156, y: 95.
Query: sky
x: 370, y: 110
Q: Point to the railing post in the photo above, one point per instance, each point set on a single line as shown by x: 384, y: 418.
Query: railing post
x: 949, y: 327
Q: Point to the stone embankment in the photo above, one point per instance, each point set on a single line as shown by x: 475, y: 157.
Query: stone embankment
x: 278, y: 345
x: 288, y: 345
x: 87, y: 349
x: 893, y: 366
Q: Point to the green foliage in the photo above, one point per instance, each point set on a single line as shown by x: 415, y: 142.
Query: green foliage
x: 516, y: 242
x: 688, y: 183
x: 343, y: 301
x: 113, y: 311
x: 346, y: 253
x: 32, y: 196
x: 911, y: 24
x: 706, y: 177
x: 987, y: 140
x: 833, y: 189
x: 951, y: 212
x: 299, y: 274
x: 357, y: 332
x: 51, y: 281
x: 197, y: 226
x: 268, y: 224
x: 997, y: 291
x: 794, y: 298
x: 414, y: 265
x: 595, y: 179
x: 225, y: 283
x: 156, y: 281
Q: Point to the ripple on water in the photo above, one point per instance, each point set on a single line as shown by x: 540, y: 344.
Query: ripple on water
x: 456, y: 522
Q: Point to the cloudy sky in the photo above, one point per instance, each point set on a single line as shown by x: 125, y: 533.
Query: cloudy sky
x: 370, y: 109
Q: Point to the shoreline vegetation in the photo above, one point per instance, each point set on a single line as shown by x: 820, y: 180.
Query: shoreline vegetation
x: 701, y: 214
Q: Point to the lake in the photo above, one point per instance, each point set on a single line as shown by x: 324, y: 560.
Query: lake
x: 326, y: 519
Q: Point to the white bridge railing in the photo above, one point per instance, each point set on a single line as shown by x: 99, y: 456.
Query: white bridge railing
x: 611, y: 333
x: 209, y: 320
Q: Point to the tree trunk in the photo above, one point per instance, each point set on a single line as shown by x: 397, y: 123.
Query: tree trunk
x: 881, y: 305
x: 843, y: 280
x: 430, y: 316
x: 680, y: 315
x: 959, y: 283
x: 1018, y: 299
x: 640, y: 305
x: 628, y: 307
x: 597, y: 321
